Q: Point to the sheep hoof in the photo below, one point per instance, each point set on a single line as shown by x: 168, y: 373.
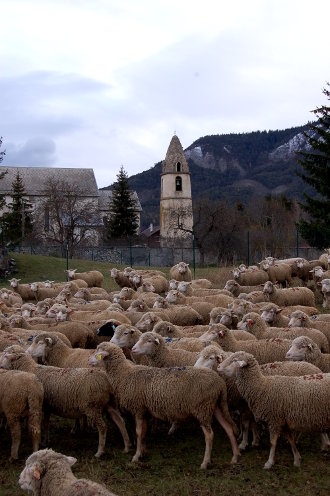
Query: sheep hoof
x: 204, y: 466
x: 235, y: 459
x: 268, y: 465
x: 135, y: 459
x: 126, y: 449
x: 243, y: 446
x: 99, y: 454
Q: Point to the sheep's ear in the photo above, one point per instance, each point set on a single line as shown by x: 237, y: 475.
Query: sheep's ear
x: 71, y: 460
x: 219, y: 358
x: 304, y: 317
x: 36, y: 473
x: 49, y: 342
x: 157, y: 341
x: 241, y: 363
x: 310, y: 346
x: 279, y: 310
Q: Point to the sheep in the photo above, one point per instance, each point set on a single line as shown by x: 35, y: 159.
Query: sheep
x: 160, y: 302
x: 304, y: 348
x: 180, y: 272
x: 304, y: 268
x: 188, y: 289
x: 324, y: 259
x: 52, y: 351
x: 301, y: 319
x: 27, y: 310
x: 87, y: 295
x: 253, y: 322
x: 250, y: 277
x: 254, y: 297
x: 325, y: 289
x: 169, y: 394
x: 41, y: 293
x: 23, y: 290
x: 236, y: 289
x: 281, y: 273
x: 230, y: 320
x: 272, y: 315
x: 94, y: 278
x: 167, y: 329
x: 283, y: 402
x: 43, y: 306
x: 7, y: 339
x: 241, y: 307
x: 71, y: 393
x: 289, y: 296
x: 84, y: 316
x: 119, y: 277
x: 319, y: 273
x: 154, y: 347
x: 21, y: 393
x: 10, y: 297
x: 48, y: 473
x: 201, y: 284
x: 183, y: 315
x: 265, y: 350
x: 175, y: 297
x: 154, y: 284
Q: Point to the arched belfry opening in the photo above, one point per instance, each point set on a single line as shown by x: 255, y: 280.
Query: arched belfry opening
x: 178, y: 183
x: 178, y: 167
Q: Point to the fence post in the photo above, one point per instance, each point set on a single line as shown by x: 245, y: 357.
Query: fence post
x: 248, y: 247
x: 67, y: 259
x: 297, y: 239
x: 149, y: 259
x: 194, y: 255
x: 130, y: 254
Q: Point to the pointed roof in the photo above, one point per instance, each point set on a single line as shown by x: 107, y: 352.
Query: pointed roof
x: 174, y: 156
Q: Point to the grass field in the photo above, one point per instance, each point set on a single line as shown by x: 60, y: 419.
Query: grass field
x: 171, y: 466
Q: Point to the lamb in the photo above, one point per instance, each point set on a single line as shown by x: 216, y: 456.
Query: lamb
x: 21, y: 393
x: 265, y: 350
x: 92, y: 277
x: 250, y: 277
x: 71, y: 393
x: 253, y: 322
x: 236, y: 289
x: 281, y: 401
x: 180, y: 272
x: 289, y: 296
x: 303, y: 348
x: 48, y: 473
x: 52, y: 351
x: 23, y: 290
x: 301, y: 319
x: 170, y: 394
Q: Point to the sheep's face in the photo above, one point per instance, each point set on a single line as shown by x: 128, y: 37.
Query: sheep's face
x: 215, y: 317
x: 14, y: 282
x: 212, y: 334
x: 173, y: 296
x: 300, y: 263
x: 242, y: 268
x: 49, y: 284
x: 126, y: 292
x: 147, y: 344
x: 34, y: 287
x: 40, y: 346
x: 208, y: 360
x: 71, y: 274
x: 183, y: 286
x: 269, y: 315
x: 62, y: 315
x: 16, y: 321
x: 247, y: 323
x: 9, y: 358
x: 268, y: 287
x: 231, y: 285
x: 148, y: 287
x: 146, y: 323
x: 166, y: 329
x: 236, y: 273
x: 80, y: 293
x: 173, y: 284
x: 4, y: 295
x: 114, y: 273
x: 226, y: 318
x: 231, y: 365
x: 160, y: 303
x: 270, y: 260
x: 27, y: 311
x: 41, y: 308
x: 135, y: 279
x: 325, y: 286
x: 183, y: 268
x: 298, y: 319
x: 317, y: 271
x: 125, y: 337
x: 300, y: 348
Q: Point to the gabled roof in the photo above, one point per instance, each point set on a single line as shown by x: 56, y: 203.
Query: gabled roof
x: 106, y: 195
x: 34, y: 179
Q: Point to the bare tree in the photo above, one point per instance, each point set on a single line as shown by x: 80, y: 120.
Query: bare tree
x: 65, y: 216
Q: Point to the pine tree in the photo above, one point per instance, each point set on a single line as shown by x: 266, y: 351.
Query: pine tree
x: 123, y: 218
x: 316, y: 172
x: 2, y: 174
x: 16, y: 223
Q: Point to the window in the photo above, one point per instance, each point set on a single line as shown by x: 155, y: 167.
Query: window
x: 178, y: 167
x: 178, y: 183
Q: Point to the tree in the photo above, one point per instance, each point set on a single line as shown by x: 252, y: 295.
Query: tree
x: 316, y: 172
x: 2, y: 173
x: 65, y: 217
x: 17, y: 223
x: 123, y: 220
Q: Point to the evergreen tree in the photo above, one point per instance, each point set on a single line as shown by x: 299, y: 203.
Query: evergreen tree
x: 2, y: 174
x: 123, y: 218
x: 16, y: 223
x: 316, y: 172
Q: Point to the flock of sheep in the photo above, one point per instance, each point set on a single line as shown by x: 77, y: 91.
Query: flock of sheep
x: 174, y: 349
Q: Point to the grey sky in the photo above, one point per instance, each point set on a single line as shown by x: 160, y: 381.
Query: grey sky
x: 104, y: 83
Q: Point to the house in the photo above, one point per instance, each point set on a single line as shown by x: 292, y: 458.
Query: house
x: 35, y: 180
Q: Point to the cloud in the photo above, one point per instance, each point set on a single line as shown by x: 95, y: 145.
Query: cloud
x: 36, y: 152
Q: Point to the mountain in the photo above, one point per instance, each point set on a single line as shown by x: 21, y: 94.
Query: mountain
x: 232, y: 167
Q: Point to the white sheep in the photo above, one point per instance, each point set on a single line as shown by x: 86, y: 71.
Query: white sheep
x: 23, y: 290
x: 301, y: 319
x: 283, y: 402
x: 180, y: 272
x: 304, y: 348
x: 289, y: 296
x: 47, y: 473
x: 170, y: 394
x: 92, y: 277
x: 250, y: 277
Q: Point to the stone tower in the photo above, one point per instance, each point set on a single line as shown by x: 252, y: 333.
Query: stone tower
x: 176, y: 214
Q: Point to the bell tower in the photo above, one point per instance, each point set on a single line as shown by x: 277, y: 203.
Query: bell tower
x: 176, y: 214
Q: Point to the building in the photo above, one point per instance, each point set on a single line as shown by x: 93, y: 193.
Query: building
x: 176, y: 213
x: 35, y: 180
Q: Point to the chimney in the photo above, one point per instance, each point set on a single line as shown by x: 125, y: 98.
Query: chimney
x: 151, y: 227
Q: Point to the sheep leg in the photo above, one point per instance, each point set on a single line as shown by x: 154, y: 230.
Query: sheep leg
x: 141, y: 430
x: 174, y: 427
x: 245, y: 433
x: 46, y: 427
x: 119, y: 421
x: 325, y: 443
x: 273, y: 441
x: 208, y: 433
x: 97, y: 418
x: 15, y: 431
x: 229, y: 431
x: 296, y: 454
x: 255, y: 433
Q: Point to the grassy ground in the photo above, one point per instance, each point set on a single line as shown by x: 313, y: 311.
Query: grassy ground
x: 171, y: 466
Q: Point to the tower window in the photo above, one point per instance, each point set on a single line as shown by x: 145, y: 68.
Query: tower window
x: 178, y: 167
x: 178, y: 183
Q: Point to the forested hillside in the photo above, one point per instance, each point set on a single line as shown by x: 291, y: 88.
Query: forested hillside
x: 232, y: 167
